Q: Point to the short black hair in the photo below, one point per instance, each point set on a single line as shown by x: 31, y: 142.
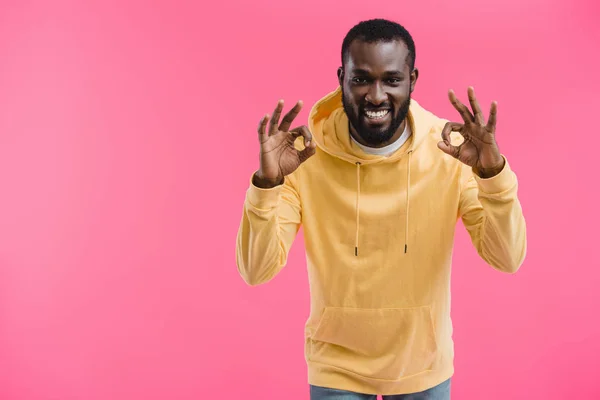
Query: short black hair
x: 379, y: 30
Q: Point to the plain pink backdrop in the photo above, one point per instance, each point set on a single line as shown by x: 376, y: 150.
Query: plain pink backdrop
x: 127, y: 139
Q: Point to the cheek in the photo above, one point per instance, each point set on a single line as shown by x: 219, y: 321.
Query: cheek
x: 354, y: 95
x: 401, y: 97
x: 353, y: 102
x: 398, y: 102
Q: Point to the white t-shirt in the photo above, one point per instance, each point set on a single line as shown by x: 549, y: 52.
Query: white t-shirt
x: 390, y: 148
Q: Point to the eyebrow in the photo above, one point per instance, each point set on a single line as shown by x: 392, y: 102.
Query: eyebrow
x: 360, y: 71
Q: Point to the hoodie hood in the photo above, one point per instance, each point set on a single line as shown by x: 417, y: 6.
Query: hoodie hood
x: 329, y: 126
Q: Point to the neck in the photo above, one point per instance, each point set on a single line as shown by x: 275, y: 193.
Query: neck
x: 395, y: 137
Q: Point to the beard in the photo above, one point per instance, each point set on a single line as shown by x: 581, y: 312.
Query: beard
x: 374, y: 136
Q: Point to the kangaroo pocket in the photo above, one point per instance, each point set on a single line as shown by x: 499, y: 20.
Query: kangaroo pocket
x: 386, y: 344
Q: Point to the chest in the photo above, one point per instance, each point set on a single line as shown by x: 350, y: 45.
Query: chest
x: 379, y: 205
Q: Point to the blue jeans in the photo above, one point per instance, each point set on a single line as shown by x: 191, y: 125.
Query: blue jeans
x: 439, y: 392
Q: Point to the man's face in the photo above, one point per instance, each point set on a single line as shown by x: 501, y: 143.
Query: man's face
x: 376, y: 83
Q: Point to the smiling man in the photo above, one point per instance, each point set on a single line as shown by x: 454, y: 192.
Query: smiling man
x: 377, y: 113
x: 378, y: 184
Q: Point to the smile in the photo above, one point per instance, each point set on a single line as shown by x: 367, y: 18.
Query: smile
x: 377, y: 114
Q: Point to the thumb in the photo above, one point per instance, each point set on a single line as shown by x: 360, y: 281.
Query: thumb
x: 448, y: 149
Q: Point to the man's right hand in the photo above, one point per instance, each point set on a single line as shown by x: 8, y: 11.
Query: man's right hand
x: 278, y: 156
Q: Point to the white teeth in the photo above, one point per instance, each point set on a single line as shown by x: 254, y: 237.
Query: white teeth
x: 376, y: 114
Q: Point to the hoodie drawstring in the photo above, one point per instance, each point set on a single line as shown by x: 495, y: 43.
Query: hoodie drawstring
x: 357, y: 206
x: 407, y: 205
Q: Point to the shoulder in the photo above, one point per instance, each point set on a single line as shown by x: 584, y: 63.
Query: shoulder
x: 431, y: 125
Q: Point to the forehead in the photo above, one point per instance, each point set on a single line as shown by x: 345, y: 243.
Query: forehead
x: 377, y: 56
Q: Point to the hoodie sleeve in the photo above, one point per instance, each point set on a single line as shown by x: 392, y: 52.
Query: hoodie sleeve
x: 491, y: 212
x: 270, y: 222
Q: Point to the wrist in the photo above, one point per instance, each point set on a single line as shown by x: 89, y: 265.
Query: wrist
x: 486, y: 173
x: 261, y: 182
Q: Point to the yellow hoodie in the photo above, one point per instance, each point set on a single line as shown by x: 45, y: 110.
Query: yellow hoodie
x: 379, y: 233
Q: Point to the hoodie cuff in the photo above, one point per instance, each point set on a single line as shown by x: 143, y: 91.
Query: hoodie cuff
x: 263, y: 199
x: 505, y: 180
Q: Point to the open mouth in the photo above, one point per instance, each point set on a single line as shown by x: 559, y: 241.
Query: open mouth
x: 377, y: 115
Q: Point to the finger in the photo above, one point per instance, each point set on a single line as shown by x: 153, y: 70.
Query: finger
x: 448, y: 129
x: 460, y: 107
x: 273, y: 126
x: 449, y: 149
x: 491, y: 125
x: 288, y: 118
x: 262, y: 131
x: 477, y: 114
x: 307, y: 152
x: 309, y: 145
x: 304, y: 132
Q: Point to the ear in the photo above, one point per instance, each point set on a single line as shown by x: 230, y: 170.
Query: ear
x: 414, y: 75
x: 340, y: 74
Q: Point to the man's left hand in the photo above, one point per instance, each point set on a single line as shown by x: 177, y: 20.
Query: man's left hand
x: 479, y: 149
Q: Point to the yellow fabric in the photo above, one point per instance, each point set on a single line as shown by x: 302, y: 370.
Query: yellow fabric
x: 379, y: 271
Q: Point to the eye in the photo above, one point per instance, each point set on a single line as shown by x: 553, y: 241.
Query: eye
x: 394, y: 81
x: 359, y: 80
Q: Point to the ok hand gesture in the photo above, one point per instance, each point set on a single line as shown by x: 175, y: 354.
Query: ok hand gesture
x: 479, y: 149
x: 278, y: 155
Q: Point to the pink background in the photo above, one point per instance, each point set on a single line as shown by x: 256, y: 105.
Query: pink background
x: 127, y: 138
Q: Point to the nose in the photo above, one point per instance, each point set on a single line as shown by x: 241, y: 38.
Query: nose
x: 376, y: 95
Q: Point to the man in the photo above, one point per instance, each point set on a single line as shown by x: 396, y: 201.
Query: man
x: 378, y: 185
